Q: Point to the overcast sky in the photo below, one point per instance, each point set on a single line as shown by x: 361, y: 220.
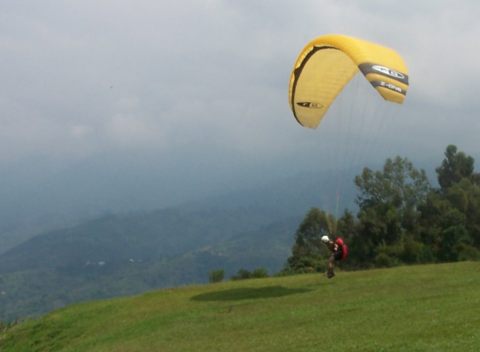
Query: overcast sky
x: 209, y: 79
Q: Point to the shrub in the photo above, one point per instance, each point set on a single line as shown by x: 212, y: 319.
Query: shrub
x: 242, y: 274
x: 383, y: 260
x: 467, y: 252
x: 216, y: 275
x: 259, y: 273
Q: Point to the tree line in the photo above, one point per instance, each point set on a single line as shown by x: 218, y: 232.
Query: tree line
x: 401, y: 218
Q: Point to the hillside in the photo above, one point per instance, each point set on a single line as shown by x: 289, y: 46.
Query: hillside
x: 414, y: 308
x: 127, y: 254
x: 122, y: 254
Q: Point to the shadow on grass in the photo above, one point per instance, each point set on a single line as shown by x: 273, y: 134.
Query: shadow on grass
x: 236, y: 294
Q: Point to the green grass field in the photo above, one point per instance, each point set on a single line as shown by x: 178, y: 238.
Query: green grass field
x: 411, y: 308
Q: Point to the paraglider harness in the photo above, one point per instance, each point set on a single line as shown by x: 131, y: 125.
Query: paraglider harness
x: 342, y: 249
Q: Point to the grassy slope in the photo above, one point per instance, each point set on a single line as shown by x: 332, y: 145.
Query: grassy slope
x: 417, y: 308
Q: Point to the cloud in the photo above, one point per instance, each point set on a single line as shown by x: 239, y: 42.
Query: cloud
x: 80, y: 78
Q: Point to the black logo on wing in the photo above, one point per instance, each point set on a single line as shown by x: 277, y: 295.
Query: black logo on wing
x: 310, y: 104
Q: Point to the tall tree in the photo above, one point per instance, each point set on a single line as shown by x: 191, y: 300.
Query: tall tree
x: 393, y: 193
x: 450, y: 222
x: 389, y: 202
x: 456, y: 166
x: 308, y: 253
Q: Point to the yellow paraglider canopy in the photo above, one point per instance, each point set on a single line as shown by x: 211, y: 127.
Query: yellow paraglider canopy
x: 326, y: 65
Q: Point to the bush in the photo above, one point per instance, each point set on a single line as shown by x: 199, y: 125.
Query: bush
x: 306, y: 264
x: 259, y: 273
x: 242, y: 274
x: 411, y: 250
x: 4, y: 326
x: 383, y: 260
x: 216, y: 276
x: 467, y: 252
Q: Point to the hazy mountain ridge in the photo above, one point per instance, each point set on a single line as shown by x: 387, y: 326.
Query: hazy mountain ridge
x: 62, y: 267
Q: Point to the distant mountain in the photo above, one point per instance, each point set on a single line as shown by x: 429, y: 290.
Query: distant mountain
x: 38, y: 196
x: 119, y: 255
x: 129, y: 253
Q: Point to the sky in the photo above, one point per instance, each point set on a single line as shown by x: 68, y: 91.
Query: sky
x: 193, y: 95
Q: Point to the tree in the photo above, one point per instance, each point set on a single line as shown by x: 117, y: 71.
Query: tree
x: 464, y: 195
x: 242, y: 274
x: 450, y: 222
x: 259, y: 273
x: 455, y: 167
x: 346, y: 226
x: 451, y: 216
x: 389, y: 201
x: 308, y: 253
x: 216, y: 275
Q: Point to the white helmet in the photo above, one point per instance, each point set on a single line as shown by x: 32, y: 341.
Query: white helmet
x: 325, y: 239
